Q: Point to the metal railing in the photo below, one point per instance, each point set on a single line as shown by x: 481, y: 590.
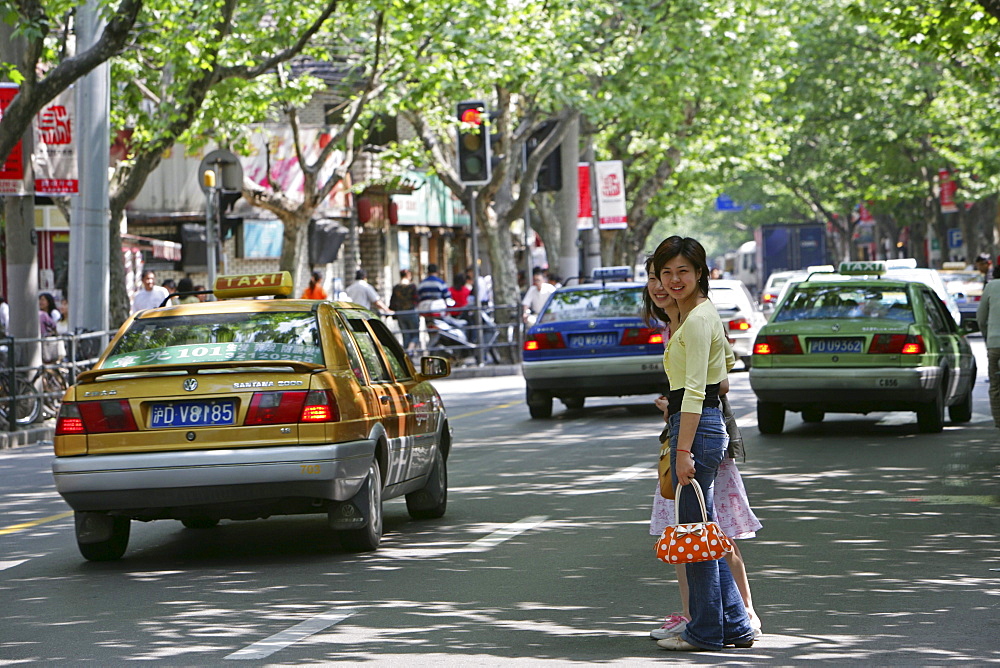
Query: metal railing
x: 31, y: 392
x: 467, y: 335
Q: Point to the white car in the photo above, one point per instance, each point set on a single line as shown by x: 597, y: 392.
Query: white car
x: 741, y: 315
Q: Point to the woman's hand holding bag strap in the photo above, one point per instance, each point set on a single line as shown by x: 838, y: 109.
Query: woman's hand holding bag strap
x: 694, y: 542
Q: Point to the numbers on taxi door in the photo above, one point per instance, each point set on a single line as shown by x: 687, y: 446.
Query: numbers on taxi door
x: 310, y: 469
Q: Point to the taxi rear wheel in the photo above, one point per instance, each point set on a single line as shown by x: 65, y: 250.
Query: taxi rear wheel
x: 770, y: 418
x: 539, y: 404
x: 431, y: 502
x: 112, y: 548
x: 930, y: 417
x: 368, y: 537
x: 574, y: 403
x: 962, y: 411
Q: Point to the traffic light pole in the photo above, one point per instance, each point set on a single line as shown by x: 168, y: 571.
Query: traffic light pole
x: 477, y: 319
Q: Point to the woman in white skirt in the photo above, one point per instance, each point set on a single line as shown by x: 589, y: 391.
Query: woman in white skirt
x: 730, y: 503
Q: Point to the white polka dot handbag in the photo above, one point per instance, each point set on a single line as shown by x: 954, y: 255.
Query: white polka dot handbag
x: 688, y: 543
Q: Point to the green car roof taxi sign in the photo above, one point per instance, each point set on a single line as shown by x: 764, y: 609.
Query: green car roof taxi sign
x: 866, y: 268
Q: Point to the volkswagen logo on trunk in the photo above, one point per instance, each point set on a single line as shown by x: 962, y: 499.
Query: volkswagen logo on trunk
x: 190, y: 384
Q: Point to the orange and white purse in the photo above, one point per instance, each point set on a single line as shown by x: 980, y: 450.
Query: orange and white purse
x: 690, y: 543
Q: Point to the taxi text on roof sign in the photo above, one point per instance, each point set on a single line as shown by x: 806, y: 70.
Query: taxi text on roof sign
x: 253, y: 285
x: 871, y: 268
x: 612, y: 273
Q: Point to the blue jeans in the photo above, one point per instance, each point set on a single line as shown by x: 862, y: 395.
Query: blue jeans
x: 409, y: 327
x: 718, y: 617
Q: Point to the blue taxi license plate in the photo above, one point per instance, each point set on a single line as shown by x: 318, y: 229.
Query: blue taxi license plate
x: 592, y: 340
x: 832, y: 345
x: 175, y: 414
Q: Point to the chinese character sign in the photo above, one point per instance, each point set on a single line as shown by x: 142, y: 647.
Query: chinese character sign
x: 947, y: 188
x: 12, y: 169
x: 585, y: 209
x: 611, y: 207
x: 55, y: 147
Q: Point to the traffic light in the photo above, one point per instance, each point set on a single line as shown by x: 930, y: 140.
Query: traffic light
x: 550, y: 173
x: 473, y: 144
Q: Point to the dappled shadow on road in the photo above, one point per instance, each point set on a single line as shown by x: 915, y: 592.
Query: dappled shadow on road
x: 876, y: 550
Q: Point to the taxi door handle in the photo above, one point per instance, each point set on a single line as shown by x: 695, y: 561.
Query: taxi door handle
x: 385, y: 398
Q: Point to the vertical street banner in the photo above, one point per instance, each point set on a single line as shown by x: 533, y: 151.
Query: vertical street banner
x: 946, y: 191
x: 585, y: 209
x: 611, y: 207
x: 55, y: 147
x: 12, y: 169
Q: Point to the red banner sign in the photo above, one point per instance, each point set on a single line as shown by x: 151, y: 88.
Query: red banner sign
x: 12, y: 169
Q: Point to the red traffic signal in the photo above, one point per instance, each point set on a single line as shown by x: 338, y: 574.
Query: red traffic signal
x: 473, y: 144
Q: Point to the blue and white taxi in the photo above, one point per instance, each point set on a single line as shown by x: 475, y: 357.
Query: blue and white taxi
x: 590, y: 341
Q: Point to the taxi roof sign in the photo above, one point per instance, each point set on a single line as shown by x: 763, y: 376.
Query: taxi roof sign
x: 278, y: 283
x: 612, y: 273
x: 865, y: 268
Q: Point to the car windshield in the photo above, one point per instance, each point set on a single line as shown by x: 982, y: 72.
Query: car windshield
x: 219, y: 337
x: 595, y: 303
x: 818, y: 302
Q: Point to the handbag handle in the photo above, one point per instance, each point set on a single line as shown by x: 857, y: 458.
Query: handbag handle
x: 701, y: 502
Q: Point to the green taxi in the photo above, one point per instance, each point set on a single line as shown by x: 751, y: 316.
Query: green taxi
x: 857, y: 342
x: 245, y: 408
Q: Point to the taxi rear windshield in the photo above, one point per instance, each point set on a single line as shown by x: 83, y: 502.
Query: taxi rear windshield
x: 596, y: 303
x: 819, y: 302
x: 237, y: 337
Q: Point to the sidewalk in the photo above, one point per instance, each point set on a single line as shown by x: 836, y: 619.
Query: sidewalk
x: 44, y: 431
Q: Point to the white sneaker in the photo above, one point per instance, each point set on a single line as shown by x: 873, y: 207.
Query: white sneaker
x: 673, y: 626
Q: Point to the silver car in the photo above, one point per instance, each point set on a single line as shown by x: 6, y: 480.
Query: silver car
x: 741, y: 315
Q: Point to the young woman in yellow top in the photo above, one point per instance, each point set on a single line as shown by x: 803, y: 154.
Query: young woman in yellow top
x: 697, y: 360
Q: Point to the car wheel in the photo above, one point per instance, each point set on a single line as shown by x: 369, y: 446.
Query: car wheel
x: 770, y: 418
x: 574, y: 403
x: 813, y: 415
x: 539, y: 404
x: 431, y: 502
x: 200, y: 523
x: 746, y: 362
x: 368, y: 537
x: 115, y: 532
x: 930, y: 417
x: 962, y: 411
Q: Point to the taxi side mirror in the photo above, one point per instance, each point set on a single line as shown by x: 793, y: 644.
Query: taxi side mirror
x: 434, y: 367
x: 970, y: 326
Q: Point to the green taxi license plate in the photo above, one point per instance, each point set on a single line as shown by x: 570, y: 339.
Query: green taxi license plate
x: 175, y: 414
x: 836, y: 345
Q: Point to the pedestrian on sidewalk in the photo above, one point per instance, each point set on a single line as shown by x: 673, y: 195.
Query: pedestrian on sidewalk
x: 988, y: 318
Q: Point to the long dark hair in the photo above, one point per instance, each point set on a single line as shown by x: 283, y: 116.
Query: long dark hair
x: 50, y: 302
x: 651, y: 313
x: 690, y: 250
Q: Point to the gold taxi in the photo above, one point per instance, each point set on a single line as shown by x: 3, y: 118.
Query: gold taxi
x: 245, y: 408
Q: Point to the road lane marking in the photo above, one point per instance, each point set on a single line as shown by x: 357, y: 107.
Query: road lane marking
x: 485, y: 410
x: 510, y: 531
x: 627, y: 473
x: 268, y: 646
x: 14, y: 528
x: 4, y: 565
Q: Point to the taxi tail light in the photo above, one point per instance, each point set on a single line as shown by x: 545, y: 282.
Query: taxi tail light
x: 320, y: 406
x: 769, y: 297
x: 275, y: 407
x: 897, y: 344
x: 544, y: 341
x: 739, y: 324
x: 777, y: 345
x: 95, y: 417
x: 636, y: 336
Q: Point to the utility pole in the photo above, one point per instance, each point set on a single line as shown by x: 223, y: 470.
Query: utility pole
x: 591, y: 239
x: 21, y: 237
x: 568, y: 205
x: 90, y: 218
